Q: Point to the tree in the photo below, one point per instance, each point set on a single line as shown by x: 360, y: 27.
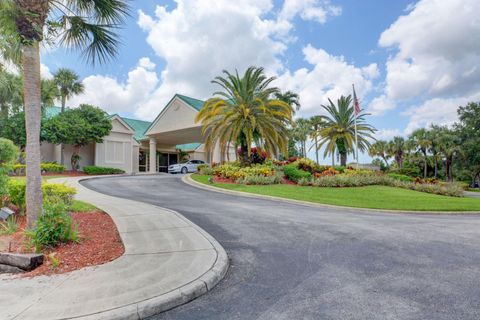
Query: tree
x: 78, y: 24
x: 380, y: 149
x: 91, y: 125
x: 49, y: 92
x: 421, y: 143
x: 317, y: 123
x: 338, y: 133
x: 67, y: 84
x: 397, y: 148
x: 10, y: 93
x: 449, y: 146
x: 469, y: 133
x: 433, y: 134
x: 245, y: 113
x: 13, y: 128
x: 289, y: 97
x: 8, y: 152
x: 302, y: 130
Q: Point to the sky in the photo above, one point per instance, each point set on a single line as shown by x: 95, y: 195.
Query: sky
x: 412, y: 62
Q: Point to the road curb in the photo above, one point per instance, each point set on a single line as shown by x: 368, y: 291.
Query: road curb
x: 188, y: 180
x: 168, y: 300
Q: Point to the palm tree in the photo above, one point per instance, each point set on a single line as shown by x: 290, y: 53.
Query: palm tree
x: 245, y: 113
x: 68, y: 85
x: 380, y: 149
x: 449, y: 146
x: 397, y: 148
x: 421, y: 142
x: 49, y: 92
x: 77, y: 24
x: 433, y: 135
x: 289, y: 97
x: 302, y: 130
x: 338, y: 133
x: 317, y: 123
x: 10, y: 92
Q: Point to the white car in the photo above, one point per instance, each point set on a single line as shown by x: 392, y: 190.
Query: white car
x: 185, y: 167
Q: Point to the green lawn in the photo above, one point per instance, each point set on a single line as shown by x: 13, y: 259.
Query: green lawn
x: 80, y: 206
x: 373, y: 197
x: 43, y: 177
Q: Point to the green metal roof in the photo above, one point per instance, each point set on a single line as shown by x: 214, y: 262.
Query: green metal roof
x: 188, y: 146
x: 139, y: 126
x: 197, y: 104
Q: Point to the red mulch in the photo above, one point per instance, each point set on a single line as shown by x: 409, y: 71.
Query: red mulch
x: 99, y: 243
x: 222, y: 180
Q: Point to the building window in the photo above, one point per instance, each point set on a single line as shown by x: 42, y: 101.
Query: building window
x: 114, y: 152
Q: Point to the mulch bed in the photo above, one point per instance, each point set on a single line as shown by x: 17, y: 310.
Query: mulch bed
x: 99, y: 244
x: 224, y: 180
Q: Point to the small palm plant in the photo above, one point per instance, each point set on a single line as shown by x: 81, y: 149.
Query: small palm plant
x: 338, y: 132
x: 244, y: 113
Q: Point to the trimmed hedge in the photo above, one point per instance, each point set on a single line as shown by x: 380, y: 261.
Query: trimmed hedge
x: 94, y: 170
x: 52, y: 192
x: 19, y: 169
x: 294, y: 174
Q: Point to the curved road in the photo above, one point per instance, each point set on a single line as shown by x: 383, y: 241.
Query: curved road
x: 297, y: 262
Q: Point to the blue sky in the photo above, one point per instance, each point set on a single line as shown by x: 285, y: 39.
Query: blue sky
x: 412, y: 61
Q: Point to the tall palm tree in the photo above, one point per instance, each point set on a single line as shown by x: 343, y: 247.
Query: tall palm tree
x: 397, y: 148
x: 338, y: 133
x: 421, y: 142
x: 10, y: 92
x: 49, y: 92
x: 289, y: 97
x: 78, y: 24
x: 302, y: 130
x: 316, y: 122
x: 433, y: 136
x: 449, y: 146
x: 380, y: 149
x: 68, y: 84
x: 245, y: 112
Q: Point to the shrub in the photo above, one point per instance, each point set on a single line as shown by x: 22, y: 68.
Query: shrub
x: 10, y: 226
x: 408, y: 171
x: 54, y: 226
x: 261, y: 180
x: 8, y: 152
x: 294, y: 174
x: 400, y: 177
x: 94, y: 170
x: 307, y: 165
x: 52, y: 167
x: 19, y: 169
x: 51, y: 192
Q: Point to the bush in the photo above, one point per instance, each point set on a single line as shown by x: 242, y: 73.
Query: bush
x: 52, y: 192
x: 19, y: 169
x: 400, y: 177
x: 54, y: 226
x: 94, y: 170
x: 294, y: 174
x: 8, y: 152
x: 234, y: 172
x: 261, y: 180
x: 307, y: 165
x: 52, y: 167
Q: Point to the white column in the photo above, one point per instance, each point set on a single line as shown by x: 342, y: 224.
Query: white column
x: 153, y: 155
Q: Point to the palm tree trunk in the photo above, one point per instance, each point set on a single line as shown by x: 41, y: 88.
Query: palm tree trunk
x: 244, y: 158
x: 62, y: 147
x: 316, y: 149
x: 32, y: 100
x: 333, y: 159
x: 343, y: 159
x: 436, y: 166
x: 425, y: 166
x: 386, y: 162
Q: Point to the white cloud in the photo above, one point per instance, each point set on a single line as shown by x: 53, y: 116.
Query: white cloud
x: 114, y: 96
x: 313, y: 10
x: 329, y: 77
x: 45, y: 72
x: 438, y: 53
x: 436, y: 111
x: 379, y: 105
x: 387, y: 134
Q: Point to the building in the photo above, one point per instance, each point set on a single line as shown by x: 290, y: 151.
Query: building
x: 131, y: 142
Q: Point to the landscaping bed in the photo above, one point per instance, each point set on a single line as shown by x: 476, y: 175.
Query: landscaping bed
x: 99, y: 242
x: 371, y: 197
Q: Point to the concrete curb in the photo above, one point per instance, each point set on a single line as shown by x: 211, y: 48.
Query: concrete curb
x: 151, y: 303
x: 188, y: 180
x: 179, y: 296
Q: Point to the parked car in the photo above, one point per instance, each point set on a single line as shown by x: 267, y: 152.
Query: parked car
x: 185, y: 167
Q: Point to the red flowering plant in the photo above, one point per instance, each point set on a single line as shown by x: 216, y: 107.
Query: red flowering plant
x: 257, y: 156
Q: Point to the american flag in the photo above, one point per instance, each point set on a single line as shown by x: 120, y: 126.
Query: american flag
x: 356, y: 103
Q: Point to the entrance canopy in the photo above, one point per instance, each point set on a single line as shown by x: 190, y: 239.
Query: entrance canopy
x: 180, y: 136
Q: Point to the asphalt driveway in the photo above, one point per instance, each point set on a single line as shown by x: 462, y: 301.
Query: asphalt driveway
x: 297, y: 262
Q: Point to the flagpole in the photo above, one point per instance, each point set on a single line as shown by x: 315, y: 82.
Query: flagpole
x: 356, y: 137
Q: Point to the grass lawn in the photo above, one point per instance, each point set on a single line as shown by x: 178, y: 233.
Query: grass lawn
x: 43, y: 177
x: 80, y: 206
x: 373, y: 197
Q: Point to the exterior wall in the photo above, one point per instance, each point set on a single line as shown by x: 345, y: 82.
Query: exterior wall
x: 116, y: 151
x: 87, y: 154
x: 47, y: 151
x: 176, y: 116
x: 135, y: 158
